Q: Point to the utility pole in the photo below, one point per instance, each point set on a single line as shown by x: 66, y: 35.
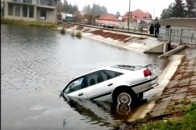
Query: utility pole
x: 129, y: 14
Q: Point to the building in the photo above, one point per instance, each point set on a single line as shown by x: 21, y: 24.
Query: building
x: 30, y: 10
x: 137, y: 15
x: 139, y: 20
x: 108, y: 19
x: 182, y: 29
x: 179, y: 23
x: 66, y: 17
x: 2, y: 8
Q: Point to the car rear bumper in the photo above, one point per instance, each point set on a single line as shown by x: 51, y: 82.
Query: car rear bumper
x: 145, y: 85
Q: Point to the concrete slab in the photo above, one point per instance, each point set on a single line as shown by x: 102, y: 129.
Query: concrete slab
x: 169, y: 53
x: 156, y: 49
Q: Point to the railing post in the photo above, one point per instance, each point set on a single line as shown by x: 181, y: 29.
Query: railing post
x: 180, y: 38
x: 170, y: 33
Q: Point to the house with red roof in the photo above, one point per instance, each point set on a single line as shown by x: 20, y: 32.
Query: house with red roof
x: 108, y: 19
x: 137, y: 15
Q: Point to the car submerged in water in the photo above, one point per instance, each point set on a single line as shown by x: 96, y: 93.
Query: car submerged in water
x: 122, y: 84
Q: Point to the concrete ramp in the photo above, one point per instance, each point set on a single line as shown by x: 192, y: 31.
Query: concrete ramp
x: 156, y: 49
x: 173, y: 51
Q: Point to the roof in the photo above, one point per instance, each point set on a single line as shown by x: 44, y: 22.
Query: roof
x: 109, y: 17
x: 106, y: 22
x: 137, y: 14
x: 182, y: 22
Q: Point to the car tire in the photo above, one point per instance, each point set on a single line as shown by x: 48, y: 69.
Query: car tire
x: 124, y: 98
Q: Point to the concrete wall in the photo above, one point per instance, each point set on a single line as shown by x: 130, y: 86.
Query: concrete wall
x: 179, y: 34
x: 50, y: 15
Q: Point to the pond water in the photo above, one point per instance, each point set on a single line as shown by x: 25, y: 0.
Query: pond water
x: 36, y: 64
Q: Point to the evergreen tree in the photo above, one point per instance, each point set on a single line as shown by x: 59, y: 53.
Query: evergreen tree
x: 156, y: 19
x: 191, y: 8
x: 118, y: 14
x: 167, y: 13
x: 178, y: 9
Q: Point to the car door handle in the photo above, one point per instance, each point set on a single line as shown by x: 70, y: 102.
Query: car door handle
x: 80, y: 94
x: 110, y: 84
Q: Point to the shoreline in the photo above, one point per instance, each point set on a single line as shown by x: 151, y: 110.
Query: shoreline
x: 131, y: 42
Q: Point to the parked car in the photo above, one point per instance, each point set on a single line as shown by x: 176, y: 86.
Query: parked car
x: 118, y: 84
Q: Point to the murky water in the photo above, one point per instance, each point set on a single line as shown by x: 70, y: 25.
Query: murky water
x: 37, y: 63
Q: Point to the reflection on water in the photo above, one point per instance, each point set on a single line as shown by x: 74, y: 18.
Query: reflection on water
x: 37, y: 63
x: 104, y: 113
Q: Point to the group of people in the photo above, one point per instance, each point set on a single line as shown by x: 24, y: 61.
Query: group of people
x: 154, y: 29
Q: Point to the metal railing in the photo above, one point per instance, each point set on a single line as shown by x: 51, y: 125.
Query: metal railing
x: 46, y: 2
x: 22, y: 1
x: 178, y: 35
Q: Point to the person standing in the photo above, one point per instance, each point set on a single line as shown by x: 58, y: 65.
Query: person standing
x: 157, y: 26
x: 151, y: 29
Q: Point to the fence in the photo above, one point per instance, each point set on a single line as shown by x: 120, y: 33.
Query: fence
x: 179, y: 35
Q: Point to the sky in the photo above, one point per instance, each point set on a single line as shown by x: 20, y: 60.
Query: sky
x: 154, y: 7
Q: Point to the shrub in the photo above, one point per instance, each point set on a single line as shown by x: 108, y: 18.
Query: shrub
x: 72, y: 34
x: 63, y: 31
x: 78, y: 35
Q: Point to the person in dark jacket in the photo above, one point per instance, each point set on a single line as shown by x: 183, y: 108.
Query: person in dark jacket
x: 157, y: 26
x: 151, y: 29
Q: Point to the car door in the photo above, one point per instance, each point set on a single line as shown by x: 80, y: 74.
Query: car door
x: 76, y: 88
x: 101, y: 84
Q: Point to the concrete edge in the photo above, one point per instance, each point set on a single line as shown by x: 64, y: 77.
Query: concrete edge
x: 164, y: 79
x: 158, y: 49
x: 171, y: 52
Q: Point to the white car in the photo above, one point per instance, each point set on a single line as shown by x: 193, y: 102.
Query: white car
x: 118, y: 84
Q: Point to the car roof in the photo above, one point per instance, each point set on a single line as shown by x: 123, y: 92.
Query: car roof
x: 116, y: 68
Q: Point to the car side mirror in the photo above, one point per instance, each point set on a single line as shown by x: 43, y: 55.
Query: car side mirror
x: 61, y: 94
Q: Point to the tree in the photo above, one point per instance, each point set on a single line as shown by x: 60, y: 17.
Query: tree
x: 178, y: 9
x: 68, y: 8
x: 190, y: 8
x: 156, y: 19
x: 117, y: 14
x: 95, y: 10
x: 59, y: 7
x: 167, y: 13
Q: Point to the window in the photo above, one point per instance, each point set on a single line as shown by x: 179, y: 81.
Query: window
x: 10, y: 9
x: 92, y: 79
x: 24, y: 11
x: 111, y: 74
x: 43, y: 14
x: 75, y: 85
x: 17, y: 10
x: 31, y: 11
x: 27, y: 1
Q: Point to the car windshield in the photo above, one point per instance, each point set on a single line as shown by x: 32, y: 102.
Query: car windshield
x: 74, y: 85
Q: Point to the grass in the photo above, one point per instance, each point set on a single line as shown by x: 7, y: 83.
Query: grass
x: 72, y: 34
x: 29, y: 23
x: 185, y: 122
x: 63, y: 31
x: 78, y: 35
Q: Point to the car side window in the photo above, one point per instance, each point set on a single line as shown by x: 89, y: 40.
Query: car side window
x: 111, y: 74
x: 92, y: 79
x: 75, y: 85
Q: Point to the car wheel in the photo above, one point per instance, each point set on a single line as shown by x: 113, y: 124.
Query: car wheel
x: 124, y: 98
x: 123, y: 109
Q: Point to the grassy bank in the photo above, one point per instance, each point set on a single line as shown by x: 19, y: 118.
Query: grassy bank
x: 29, y: 23
x: 183, y: 119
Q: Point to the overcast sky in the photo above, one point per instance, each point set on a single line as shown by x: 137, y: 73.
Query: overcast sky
x: 155, y: 7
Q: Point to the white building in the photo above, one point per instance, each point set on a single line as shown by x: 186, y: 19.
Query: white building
x: 30, y: 10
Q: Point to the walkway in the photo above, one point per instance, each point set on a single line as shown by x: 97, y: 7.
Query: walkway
x: 181, y: 88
